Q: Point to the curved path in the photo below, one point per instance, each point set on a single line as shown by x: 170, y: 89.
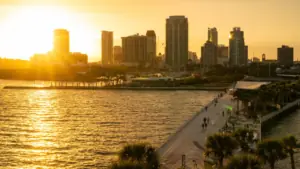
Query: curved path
x: 183, y: 141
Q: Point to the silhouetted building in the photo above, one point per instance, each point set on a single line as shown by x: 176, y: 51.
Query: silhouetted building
x: 107, y: 47
x: 118, y: 54
x: 61, y: 44
x: 238, y: 53
x: 222, y: 55
x: 78, y: 58
x: 263, y: 57
x: 151, y: 45
x: 255, y: 60
x: 135, y: 50
x: 213, y: 35
x: 285, y: 55
x: 193, y: 56
x: 176, y: 41
x: 209, y: 53
x: 246, y: 53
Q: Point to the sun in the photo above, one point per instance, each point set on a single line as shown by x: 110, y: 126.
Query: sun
x: 28, y: 30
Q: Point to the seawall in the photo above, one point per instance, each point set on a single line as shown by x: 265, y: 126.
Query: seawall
x: 267, y: 121
x: 113, y: 88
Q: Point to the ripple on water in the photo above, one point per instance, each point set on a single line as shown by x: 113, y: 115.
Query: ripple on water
x: 85, y: 129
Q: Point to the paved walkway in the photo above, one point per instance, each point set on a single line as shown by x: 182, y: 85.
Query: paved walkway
x: 183, y: 142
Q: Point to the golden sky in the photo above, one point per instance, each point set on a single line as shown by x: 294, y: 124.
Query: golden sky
x: 26, y: 25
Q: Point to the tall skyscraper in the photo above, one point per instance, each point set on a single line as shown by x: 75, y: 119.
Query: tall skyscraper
x: 237, y: 49
x: 213, y: 35
x: 118, y: 54
x: 176, y: 41
x: 151, y: 45
x: 107, y: 47
x: 135, y: 50
x: 209, y: 53
x: 285, y: 55
x: 61, y: 44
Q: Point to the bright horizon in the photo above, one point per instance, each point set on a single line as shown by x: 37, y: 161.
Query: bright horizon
x: 26, y: 26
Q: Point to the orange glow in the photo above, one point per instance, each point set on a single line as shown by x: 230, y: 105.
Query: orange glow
x: 29, y: 30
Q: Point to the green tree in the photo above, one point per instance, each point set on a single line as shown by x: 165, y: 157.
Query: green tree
x: 244, y: 161
x: 271, y: 151
x: 142, y: 154
x: 290, y: 144
x: 220, y: 146
x: 244, y: 137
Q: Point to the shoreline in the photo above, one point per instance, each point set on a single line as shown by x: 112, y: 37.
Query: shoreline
x: 113, y: 88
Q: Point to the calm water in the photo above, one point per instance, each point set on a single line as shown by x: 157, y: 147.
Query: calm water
x: 84, y: 129
x: 285, y: 126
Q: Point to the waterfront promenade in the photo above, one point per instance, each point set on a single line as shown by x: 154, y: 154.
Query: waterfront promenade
x: 182, y: 143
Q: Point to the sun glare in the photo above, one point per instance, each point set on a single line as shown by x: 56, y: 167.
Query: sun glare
x: 29, y: 30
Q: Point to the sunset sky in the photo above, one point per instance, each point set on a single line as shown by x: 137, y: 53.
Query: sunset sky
x: 26, y: 25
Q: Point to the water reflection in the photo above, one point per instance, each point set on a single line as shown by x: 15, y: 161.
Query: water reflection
x: 84, y: 129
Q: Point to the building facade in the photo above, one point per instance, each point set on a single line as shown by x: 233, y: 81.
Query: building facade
x: 107, y: 47
x: 213, y: 35
x: 61, y: 45
x: 222, y: 55
x: 176, y: 41
x: 151, y: 45
x: 135, y: 50
x: 209, y: 53
x: 238, y: 52
x: 285, y: 55
x: 118, y: 54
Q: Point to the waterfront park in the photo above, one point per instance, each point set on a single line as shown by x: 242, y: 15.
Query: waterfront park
x: 233, y: 142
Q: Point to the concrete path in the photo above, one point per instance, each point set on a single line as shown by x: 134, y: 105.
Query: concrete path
x: 183, y: 141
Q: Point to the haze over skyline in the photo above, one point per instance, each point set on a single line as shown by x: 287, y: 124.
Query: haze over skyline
x: 26, y: 26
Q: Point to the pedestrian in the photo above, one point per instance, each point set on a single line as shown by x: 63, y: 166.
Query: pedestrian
x: 205, y: 124
x: 204, y: 119
x: 223, y: 113
x: 205, y: 108
x: 202, y: 126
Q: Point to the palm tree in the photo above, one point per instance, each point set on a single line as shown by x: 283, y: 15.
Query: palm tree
x: 244, y: 161
x: 290, y: 144
x: 221, y: 146
x: 244, y: 137
x: 143, y: 154
x: 271, y: 151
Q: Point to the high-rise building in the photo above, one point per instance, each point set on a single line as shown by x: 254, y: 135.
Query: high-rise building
x: 151, y: 45
x: 107, y: 47
x: 61, y: 44
x: 135, y: 50
x: 118, y: 54
x: 213, y: 35
x: 222, y: 55
x: 285, y: 55
x: 176, y: 41
x: 209, y: 53
x: 237, y: 49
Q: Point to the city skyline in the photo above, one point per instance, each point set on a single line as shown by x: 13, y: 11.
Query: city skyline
x: 265, y: 27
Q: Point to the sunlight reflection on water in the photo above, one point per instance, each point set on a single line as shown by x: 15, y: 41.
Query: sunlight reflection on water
x: 84, y: 129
